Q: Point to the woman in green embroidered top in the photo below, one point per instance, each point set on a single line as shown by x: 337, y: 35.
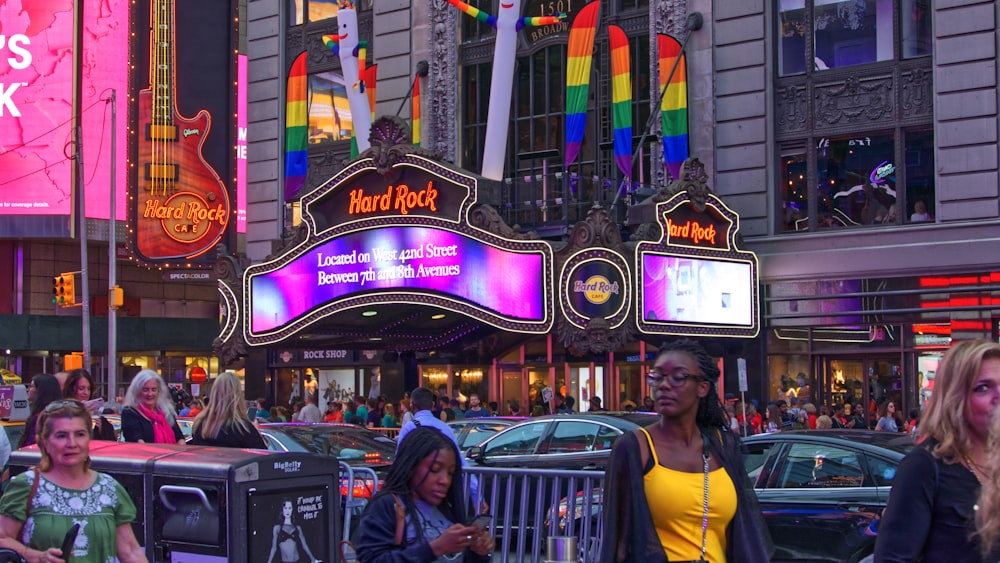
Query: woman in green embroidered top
x: 63, y: 491
x: 677, y: 489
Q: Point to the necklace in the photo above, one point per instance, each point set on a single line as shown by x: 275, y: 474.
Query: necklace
x: 974, y: 468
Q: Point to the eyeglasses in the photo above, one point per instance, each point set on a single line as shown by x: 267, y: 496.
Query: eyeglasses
x: 656, y: 377
x: 70, y: 403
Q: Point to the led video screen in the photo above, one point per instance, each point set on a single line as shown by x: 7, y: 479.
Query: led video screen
x: 403, y: 260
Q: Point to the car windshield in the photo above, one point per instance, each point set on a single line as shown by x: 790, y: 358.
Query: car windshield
x: 345, y: 442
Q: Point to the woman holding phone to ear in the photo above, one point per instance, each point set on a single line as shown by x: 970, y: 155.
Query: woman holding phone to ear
x: 420, y: 513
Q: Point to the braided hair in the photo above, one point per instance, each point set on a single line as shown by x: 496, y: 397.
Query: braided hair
x: 421, y: 442
x: 710, y: 409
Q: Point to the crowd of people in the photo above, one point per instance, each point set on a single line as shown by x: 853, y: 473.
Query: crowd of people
x: 945, y: 500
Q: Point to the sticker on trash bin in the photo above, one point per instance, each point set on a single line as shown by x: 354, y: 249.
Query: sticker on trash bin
x: 249, y: 472
x: 288, y: 466
x: 290, y: 525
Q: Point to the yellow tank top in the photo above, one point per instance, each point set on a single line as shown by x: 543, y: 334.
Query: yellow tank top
x: 676, y: 500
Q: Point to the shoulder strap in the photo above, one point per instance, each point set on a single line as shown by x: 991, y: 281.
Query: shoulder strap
x: 31, y: 497
x: 646, y: 449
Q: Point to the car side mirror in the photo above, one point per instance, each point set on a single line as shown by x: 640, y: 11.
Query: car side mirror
x: 475, y: 453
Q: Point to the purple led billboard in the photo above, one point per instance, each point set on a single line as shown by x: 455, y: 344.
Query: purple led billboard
x: 409, y: 262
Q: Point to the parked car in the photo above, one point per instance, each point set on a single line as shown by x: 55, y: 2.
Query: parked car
x: 823, y: 491
x: 185, y: 424
x: 354, y: 445
x: 559, y: 441
x: 555, y: 442
x: 474, y: 431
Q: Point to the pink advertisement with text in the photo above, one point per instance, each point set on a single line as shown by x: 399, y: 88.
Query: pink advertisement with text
x: 36, y: 93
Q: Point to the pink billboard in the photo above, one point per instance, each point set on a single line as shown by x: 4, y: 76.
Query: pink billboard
x: 36, y: 93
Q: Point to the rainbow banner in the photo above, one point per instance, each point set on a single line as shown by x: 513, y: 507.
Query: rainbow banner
x: 621, y: 98
x: 415, y: 111
x: 673, y: 110
x: 579, y: 58
x: 296, y: 128
x: 368, y: 76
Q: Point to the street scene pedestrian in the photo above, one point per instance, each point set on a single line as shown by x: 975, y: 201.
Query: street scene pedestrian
x: 224, y: 422
x: 40, y: 505
x: 689, y: 453
x: 148, y: 414
x: 80, y: 386
x: 420, y: 513
x: 42, y: 391
x: 930, y: 512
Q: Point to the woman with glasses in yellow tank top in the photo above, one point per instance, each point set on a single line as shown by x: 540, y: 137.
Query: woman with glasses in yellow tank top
x: 677, y: 489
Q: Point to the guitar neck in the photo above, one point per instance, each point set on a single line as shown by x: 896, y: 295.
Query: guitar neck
x: 161, y: 69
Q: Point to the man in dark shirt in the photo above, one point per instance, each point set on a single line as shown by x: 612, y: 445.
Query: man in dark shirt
x: 475, y: 408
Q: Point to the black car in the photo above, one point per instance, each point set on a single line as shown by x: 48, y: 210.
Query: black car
x: 358, y: 447
x: 823, y: 491
x: 474, y: 431
x: 559, y: 441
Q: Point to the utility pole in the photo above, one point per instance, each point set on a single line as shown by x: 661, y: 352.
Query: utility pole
x: 81, y: 216
x: 112, y: 262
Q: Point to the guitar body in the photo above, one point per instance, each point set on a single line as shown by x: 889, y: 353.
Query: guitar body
x: 183, y: 207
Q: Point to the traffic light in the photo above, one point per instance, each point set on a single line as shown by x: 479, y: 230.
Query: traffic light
x: 116, y: 297
x: 64, y: 290
x: 73, y: 361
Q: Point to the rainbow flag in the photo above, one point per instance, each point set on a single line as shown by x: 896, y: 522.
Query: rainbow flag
x: 415, y: 111
x: 368, y: 75
x: 673, y: 110
x: 579, y: 58
x: 296, y: 128
x: 621, y: 98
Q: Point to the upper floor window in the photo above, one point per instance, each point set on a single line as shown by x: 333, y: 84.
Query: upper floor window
x: 329, y: 112
x: 304, y: 11
x: 834, y: 34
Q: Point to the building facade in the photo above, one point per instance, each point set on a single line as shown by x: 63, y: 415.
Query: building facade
x: 855, y: 140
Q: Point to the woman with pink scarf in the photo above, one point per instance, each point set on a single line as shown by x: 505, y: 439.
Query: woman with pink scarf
x: 148, y: 414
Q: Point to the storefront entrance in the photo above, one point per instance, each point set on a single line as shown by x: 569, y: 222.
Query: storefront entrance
x: 866, y: 381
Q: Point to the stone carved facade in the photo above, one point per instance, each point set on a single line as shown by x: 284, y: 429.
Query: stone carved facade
x: 443, y: 80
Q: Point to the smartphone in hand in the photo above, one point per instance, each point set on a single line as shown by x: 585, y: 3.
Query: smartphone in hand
x: 481, y: 521
x: 69, y: 540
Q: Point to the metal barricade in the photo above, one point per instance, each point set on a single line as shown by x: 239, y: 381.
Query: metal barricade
x: 528, y: 507
x: 387, y: 432
x: 357, y: 486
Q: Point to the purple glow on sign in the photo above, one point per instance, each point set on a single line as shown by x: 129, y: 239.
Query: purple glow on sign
x: 395, y: 259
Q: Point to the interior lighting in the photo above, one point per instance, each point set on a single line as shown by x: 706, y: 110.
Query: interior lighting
x: 438, y: 316
x: 369, y: 313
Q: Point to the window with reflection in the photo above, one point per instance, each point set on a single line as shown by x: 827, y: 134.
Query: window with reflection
x: 329, y: 112
x: 316, y: 10
x: 860, y: 181
x: 849, y: 32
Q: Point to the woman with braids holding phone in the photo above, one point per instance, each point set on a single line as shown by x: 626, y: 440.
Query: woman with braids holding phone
x: 677, y: 490
x: 420, y: 513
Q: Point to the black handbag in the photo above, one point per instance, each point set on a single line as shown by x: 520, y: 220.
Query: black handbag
x: 10, y: 556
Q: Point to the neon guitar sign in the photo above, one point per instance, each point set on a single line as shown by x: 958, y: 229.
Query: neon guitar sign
x: 183, y: 207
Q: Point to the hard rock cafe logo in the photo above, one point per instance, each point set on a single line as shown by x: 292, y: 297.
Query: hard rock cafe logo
x: 286, y: 356
x: 186, y: 216
x: 597, y: 289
